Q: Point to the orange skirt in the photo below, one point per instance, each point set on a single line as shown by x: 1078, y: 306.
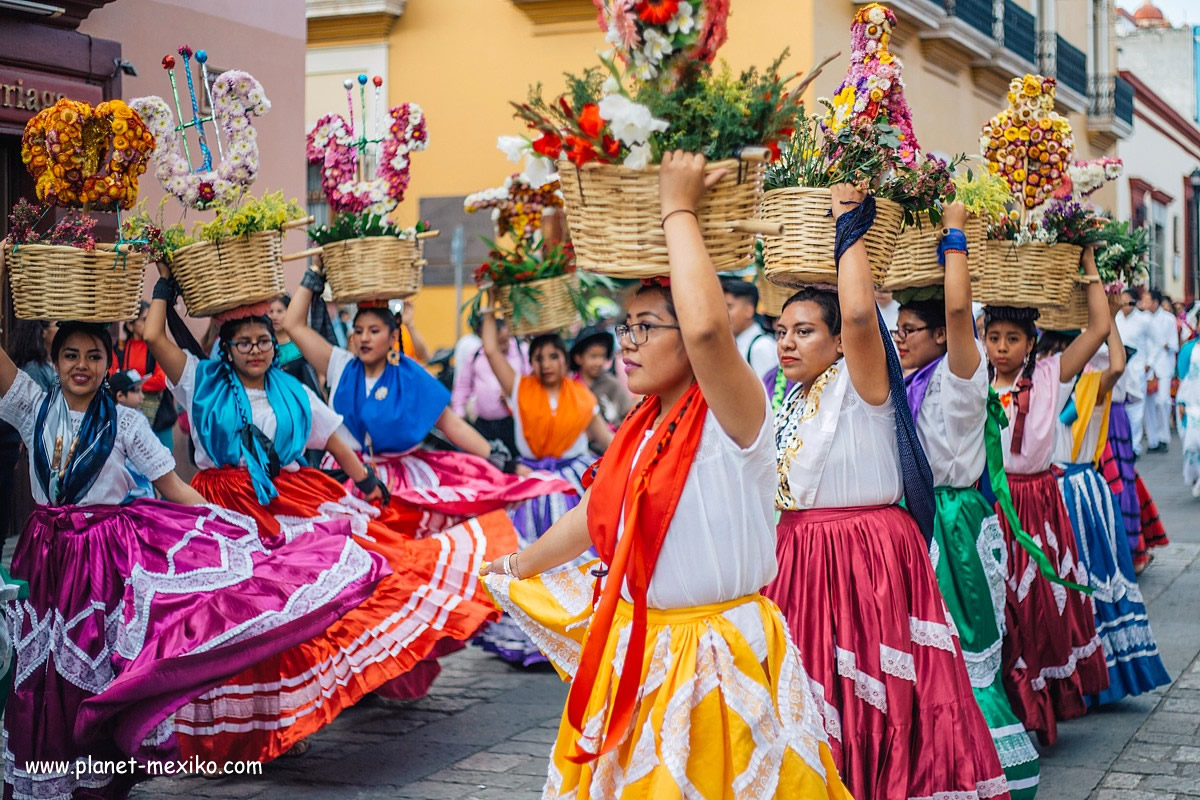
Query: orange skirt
x: 432, y: 601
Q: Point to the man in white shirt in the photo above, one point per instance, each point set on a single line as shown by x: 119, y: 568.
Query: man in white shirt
x: 1162, y: 340
x: 1132, y: 324
x: 756, y: 345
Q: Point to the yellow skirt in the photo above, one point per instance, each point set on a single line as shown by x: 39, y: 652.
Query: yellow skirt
x: 724, y: 709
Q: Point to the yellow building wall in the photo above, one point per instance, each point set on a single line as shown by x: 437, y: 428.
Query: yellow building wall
x: 464, y: 60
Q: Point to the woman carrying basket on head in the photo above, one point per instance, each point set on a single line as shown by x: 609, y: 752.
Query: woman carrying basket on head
x: 389, y: 404
x: 684, y: 680
x: 134, y: 608
x: 855, y: 581
x: 1052, y: 656
x: 250, y: 423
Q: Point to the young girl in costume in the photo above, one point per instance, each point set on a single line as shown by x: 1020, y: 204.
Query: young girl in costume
x: 683, y: 679
x: 389, y: 406
x: 1052, y: 656
x: 947, y: 389
x: 1130, y: 650
x: 135, y: 608
x: 556, y: 417
x: 855, y: 580
x: 250, y: 423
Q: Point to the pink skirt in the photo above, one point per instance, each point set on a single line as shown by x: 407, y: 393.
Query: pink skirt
x: 862, y: 602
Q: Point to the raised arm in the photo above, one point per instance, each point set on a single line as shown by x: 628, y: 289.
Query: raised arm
x: 8, y: 370
x: 861, y: 341
x: 962, y: 353
x: 1080, y: 351
x: 497, y: 358
x: 169, y: 355
x: 1116, y: 362
x: 566, y: 540
x: 313, y: 346
x: 729, y: 384
x: 420, y: 349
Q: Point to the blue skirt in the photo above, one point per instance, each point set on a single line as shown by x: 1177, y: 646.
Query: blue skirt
x: 1130, y: 649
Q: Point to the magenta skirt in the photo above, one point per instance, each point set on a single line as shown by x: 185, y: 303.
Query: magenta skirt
x: 862, y: 603
x: 136, y: 610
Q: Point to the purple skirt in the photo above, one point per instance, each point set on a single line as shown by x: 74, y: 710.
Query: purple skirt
x: 135, y: 610
x: 1120, y: 437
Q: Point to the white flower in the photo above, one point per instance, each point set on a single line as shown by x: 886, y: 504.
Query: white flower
x: 876, y: 15
x: 539, y: 171
x: 657, y: 46
x: 513, y: 147
x: 611, y: 86
x: 631, y: 122
x: 885, y: 84
x: 683, y: 21
x: 639, y: 156
x: 613, y: 37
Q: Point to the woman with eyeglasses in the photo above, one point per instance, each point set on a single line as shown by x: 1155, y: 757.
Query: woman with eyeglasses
x: 251, y: 422
x: 684, y: 682
x: 1052, y: 655
x: 389, y: 404
x: 136, y: 606
x: 855, y: 580
x: 948, y: 394
x: 557, y: 420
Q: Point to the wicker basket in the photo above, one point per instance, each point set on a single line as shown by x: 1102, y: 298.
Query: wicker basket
x: 613, y: 213
x: 772, y: 296
x: 1031, y: 275
x: 218, y: 276
x: 804, y: 253
x: 915, y: 263
x: 373, y: 267
x: 555, y: 307
x: 54, y: 282
x: 1072, y: 316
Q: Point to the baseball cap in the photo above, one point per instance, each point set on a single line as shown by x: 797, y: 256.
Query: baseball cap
x: 124, y: 381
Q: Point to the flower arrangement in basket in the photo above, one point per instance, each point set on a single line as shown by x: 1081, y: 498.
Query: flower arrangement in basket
x: 518, y: 205
x: 536, y: 285
x: 236, y: 260
x: 1032, y: 254
x: 83, y: 159
x: 367, y: 256
x: 865, y: 137
x: 658, y: 91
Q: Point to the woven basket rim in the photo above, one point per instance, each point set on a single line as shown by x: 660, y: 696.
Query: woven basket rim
x: 594, y: 166
x: 206, y: 243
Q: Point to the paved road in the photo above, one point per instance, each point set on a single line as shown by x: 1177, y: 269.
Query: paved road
x: 485, y: 730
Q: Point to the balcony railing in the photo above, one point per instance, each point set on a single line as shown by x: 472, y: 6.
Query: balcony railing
x: 1020, y: 31
x: 1112, y: 95
x: 979, y: 14
x: 1071, y: 66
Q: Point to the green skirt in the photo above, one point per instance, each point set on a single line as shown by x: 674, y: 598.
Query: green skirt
x: 969, y: 558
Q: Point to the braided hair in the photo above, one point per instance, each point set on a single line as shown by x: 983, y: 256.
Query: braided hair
x: 1025, y: 319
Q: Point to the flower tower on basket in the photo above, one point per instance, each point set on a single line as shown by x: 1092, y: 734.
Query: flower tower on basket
x: 873, y: 86
x: 83, y: 159
x: 1029, y: 144
x: 367, y: 255
x: 232, y: 264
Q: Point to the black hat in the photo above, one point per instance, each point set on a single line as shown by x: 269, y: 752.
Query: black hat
x: 123, y: 382
x: 588, y: 337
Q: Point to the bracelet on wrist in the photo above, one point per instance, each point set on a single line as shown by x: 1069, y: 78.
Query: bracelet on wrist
x: 670, y: 214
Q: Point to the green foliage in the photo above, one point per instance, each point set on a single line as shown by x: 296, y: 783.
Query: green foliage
x: 358, y: 225
x: 151, y: 236
x: 1124, y: 257
x: 252, y: 215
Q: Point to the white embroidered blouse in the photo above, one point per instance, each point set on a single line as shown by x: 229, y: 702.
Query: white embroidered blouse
x: 950, y: 425
x: 835, y: 449
x: 325, y: 421
x: 135, y: 445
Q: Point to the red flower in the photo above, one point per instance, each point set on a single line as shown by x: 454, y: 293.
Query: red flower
x: 581, y: 151
x: 590, y: 122
x: 657, y: 12
x: 776, y: 153
x: 548, y: 145
x: 206, y: 192
x: 612, y: 147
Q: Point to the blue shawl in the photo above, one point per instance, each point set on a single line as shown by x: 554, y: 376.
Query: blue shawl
x: 82, y: 455
x: 398, y: 412
x: 225, y: 426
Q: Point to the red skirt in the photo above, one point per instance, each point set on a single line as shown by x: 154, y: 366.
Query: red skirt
x: 431, y: 603
x: 862, y: 602
x: 1052, y: 655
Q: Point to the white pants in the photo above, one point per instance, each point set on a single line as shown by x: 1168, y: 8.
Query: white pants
x: 1158, y: 415
x: 1136, y: 411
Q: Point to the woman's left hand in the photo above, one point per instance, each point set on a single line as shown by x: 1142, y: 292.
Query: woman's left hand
x: 682, y: 181
x: 376, y: 495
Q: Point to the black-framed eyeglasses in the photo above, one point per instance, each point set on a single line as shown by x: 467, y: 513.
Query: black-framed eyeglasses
x: 1130, y: 304
x: 901, y: 334
x: 244, y: 347
x: 639, y: 332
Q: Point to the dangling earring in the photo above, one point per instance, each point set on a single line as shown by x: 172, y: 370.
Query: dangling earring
x: 394, y: 357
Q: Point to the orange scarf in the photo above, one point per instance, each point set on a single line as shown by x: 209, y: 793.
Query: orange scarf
x: 646, y: 493
x: 548, y: 433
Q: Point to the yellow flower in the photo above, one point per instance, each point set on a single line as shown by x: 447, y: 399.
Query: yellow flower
x: 886, y: 58
x: 993, y: 167
x: 1045, y: 124
x: 1018, y: 175
x: 119, y: 126
x: 1023, y: 132
x: 1033, y: 87
x: 120, y: 142
x: 876, y: 95
x: 1011, y: 134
